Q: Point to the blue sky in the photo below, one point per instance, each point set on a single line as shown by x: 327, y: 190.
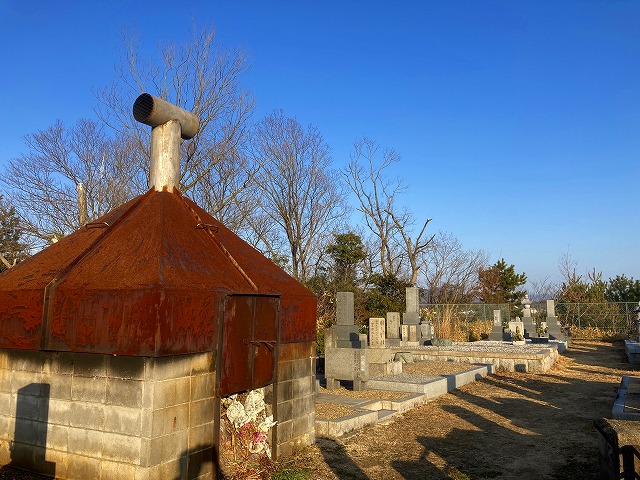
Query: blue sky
x: 518, y: 122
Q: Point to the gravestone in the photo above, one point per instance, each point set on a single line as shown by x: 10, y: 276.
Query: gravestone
x: 528, y: 323
x: 393, y: 325
x: 426, y: 331
x: 345, y: 363
x: 347, y: 334
x: 553, y: 325
x: 404, y: 333
x: 496, y: 329
x: 413, y: 333
x: 516, y: 327
x: 377, y: 332
x: 412, y: 314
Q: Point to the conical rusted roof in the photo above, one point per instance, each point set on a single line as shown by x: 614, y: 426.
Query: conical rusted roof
x: 147, y: 278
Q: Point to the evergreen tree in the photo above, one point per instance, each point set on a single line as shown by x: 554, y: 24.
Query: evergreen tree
x: 499, y: 284
x: 623, y: 289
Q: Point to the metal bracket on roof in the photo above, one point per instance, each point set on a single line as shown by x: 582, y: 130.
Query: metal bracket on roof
x: 97, y: 225
x: 207, y: 226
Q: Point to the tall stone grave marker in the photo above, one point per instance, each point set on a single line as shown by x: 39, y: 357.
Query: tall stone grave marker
x: 553, y: 326
x: 377, y: 332
x: 346, y: 332
x: 412, y: 315
x: 527, y: 320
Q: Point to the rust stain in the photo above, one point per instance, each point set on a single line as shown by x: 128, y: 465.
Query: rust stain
x: 150, y: 281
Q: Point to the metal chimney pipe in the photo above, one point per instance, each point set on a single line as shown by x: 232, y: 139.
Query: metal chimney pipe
x: 170, y: 124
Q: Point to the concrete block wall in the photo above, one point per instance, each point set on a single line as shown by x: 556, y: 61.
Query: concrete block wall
x: 295, y: 397
x: 80, y: 416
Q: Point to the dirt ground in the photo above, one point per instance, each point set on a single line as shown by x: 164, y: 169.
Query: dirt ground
x: 507, y: 426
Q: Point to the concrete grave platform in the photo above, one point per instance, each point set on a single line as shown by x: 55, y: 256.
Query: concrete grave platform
x: 632, y: 349
x: 420, y: 389
x: 626, y: 405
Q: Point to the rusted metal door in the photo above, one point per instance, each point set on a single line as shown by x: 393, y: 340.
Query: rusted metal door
x: 249, y: 342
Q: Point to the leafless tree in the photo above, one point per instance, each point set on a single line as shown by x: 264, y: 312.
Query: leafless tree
x: 297, y: 190
x: 544, y: 289
x: 450, y: 271
x: 201, y: 77
x: 392, y: 226
x: 43, y: 183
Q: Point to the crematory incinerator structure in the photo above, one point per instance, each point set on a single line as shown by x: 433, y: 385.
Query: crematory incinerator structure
x: 118, y: 342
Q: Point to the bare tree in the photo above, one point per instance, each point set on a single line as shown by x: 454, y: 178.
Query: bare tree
x: 451, y: 272
x: 391, y: 225
x: 201, y: 77
x: 44, y: 182
x: 12, y: 248
x: 298, y: 192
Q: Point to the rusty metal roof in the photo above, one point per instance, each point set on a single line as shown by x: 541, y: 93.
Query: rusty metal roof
x: 147, y: 278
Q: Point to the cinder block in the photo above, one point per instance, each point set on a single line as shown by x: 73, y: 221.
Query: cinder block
x: 302, y: 426
x: 124, y: 392
x: 201, y: 411
x: 200, y: 436
x: 285, y: 371
x: 89, y: 389
x: 20, y: 379
x: 171, y: 392
x: 5, y: 380
x: 86, y: 415
x: 89, y: 365
x: 303, y: 405
x: 85, y: 442
x: 285, y: 411
x: 5, y: 404
x: 123, y: 420
x: 168, y: 447
x: 57, y: 437
x: 167, y: 368
x: 169, y: 470
x: 27, y: 360
x: 121, y: 448
x: 60, y: 385
x: 59, y: 411
x: 302, y: 368
x: 126, y: 367
x: 61, y: 363
x: 58, y: 460
x: 302, y: 387
x: 202, y: 386
x: 117, y: 470
x: 285, y: 391
x: 200, y: 465
x: 26, y: 431
x: 284, y: 431
x: 169, y: 420
x: 82, y: 468
x: 202, y: 363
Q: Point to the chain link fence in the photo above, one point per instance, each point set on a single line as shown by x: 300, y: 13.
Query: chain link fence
x: 463, y: 322
x: 473, y: 321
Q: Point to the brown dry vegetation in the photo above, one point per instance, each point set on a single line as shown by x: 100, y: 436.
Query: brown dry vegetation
x: 507, y: 426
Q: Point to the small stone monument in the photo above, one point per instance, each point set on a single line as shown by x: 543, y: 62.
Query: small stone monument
x: 496, y: 329
x: 377, y: 332
x: 393, y: 325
